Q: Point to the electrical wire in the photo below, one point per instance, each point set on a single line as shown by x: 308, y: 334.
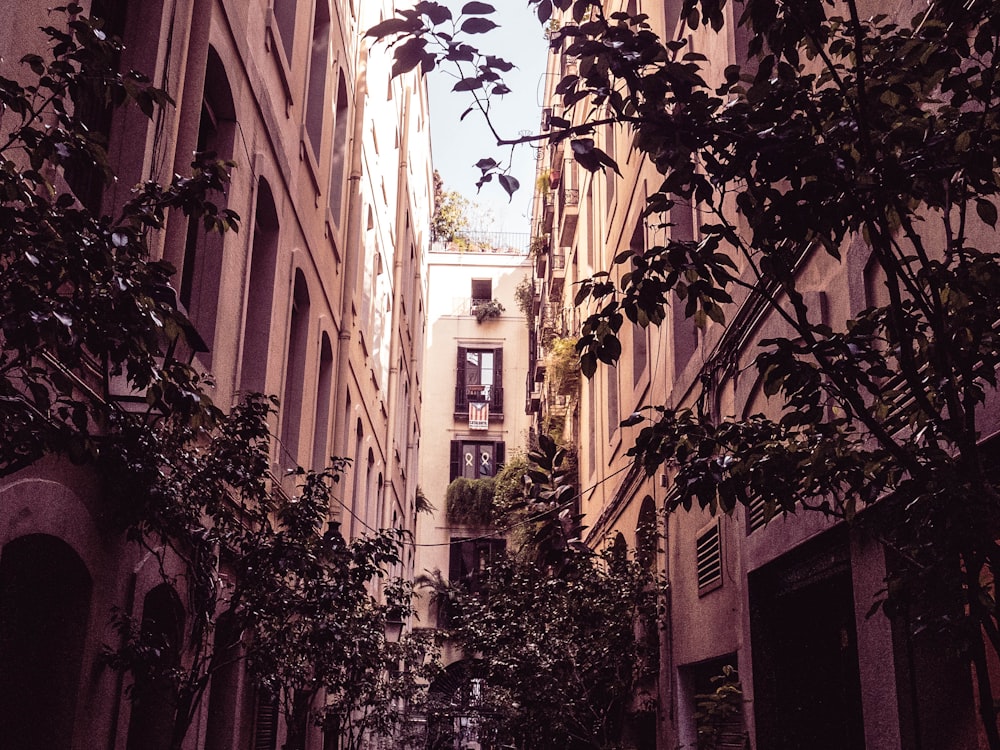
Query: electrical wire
x: 491, y: 535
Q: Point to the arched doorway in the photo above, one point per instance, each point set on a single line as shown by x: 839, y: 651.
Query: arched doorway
x: 45, y: 594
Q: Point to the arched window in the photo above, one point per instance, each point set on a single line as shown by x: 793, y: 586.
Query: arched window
x: 618, y: 550
x: 324, y: 404
x: 356, y: 490
x: 154, y: 693
x: 44, y: 608
x: 339, y: 150
x: 295, y: 371
x: 260, y: 294
x: 85, y: 178
x: 646, y: 534
x: 316, y: 97
x: 223, y: 709
x: 201, y: 270
x: 370, y: 491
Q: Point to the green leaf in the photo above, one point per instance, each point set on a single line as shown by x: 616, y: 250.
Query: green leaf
x: 987, y: 211
x: 477, y: 9
x: 478, y: 26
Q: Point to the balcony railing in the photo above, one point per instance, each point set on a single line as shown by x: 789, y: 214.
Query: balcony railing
x: 491, y: 394
x: 506, y: 243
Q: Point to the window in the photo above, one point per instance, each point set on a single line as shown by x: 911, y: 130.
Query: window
x: 316, y: 98
x: 263, y: 263
x: 94, y: 109
x: 339, y: 154
x: 482, y: 290
x: 646, y: 534
x: 469, y: 560
x: 284, y: 15
x: 479, y: 379
x: 154, y: 694
x: 295, y: 373
x: 324, y: 404
x: 224, y: 709
x: 639, y: 333
x: 265, y: 734
x: 475, y: 459
x: 614, y: 419
x: 201, y: 271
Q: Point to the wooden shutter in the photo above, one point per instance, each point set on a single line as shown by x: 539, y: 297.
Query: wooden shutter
x: 497, y: 401
x: 456, y: 460
x: 460, y: 385
x: 266, y: 724
x: 499, y: 456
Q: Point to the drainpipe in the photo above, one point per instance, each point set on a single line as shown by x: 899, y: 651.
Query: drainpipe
x: 352, y: 266
x: 395, y: 341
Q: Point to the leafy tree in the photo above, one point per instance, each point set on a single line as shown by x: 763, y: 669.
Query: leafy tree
x: 841, y: 137
x: 287, y: 594
x: 450, y: 218
x: 558, y: 657
x: 80, y: 296
x: 561, y: 641
x: 83, y: 301
x: 455, y: 217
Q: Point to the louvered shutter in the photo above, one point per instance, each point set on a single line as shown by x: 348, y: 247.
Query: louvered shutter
x: 497, y: 401
x: 266, y: 724
x: 460, y: 385
x: 456, y: 460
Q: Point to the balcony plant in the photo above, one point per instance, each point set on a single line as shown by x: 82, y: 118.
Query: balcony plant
x: 539, y: 245
x: 469, y: 502
x: 487, y: 308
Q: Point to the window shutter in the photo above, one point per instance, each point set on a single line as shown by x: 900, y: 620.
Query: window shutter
x: 497, y: 405
x: 266, y: 725
x: 499, y: 456
x: 456, y: 460
x: 454, y: 560
x: 460, y: 384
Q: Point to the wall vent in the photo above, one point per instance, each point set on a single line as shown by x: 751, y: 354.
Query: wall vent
x: 709, y: 549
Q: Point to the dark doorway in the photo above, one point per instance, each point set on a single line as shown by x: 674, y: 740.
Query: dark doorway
x: 44, y: 609
x: 805, y: 654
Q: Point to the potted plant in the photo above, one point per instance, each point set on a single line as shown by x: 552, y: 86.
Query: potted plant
x: 489, y: 308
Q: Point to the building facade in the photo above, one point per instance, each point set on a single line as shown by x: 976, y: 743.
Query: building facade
x: 785, y: 602
x: 473, y: 406
x: 318, y: 299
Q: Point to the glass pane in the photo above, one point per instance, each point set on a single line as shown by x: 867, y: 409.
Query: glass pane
x: 486, y: 460
x: 472, y: 368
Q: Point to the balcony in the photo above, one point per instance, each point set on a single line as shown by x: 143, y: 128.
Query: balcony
x: 478, y: 394
x: 569, y: 201
x: 558, y: 273
x: 532, y: 396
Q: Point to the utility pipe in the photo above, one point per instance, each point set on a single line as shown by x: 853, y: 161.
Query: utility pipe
x: 352, y: 266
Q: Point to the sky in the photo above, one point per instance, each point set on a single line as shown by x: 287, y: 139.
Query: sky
x: 458, y: 145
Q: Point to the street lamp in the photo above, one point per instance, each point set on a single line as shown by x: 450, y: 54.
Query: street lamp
x: 393, y: 629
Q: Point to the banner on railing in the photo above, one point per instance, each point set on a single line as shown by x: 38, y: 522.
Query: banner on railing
x: 479, y: 415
